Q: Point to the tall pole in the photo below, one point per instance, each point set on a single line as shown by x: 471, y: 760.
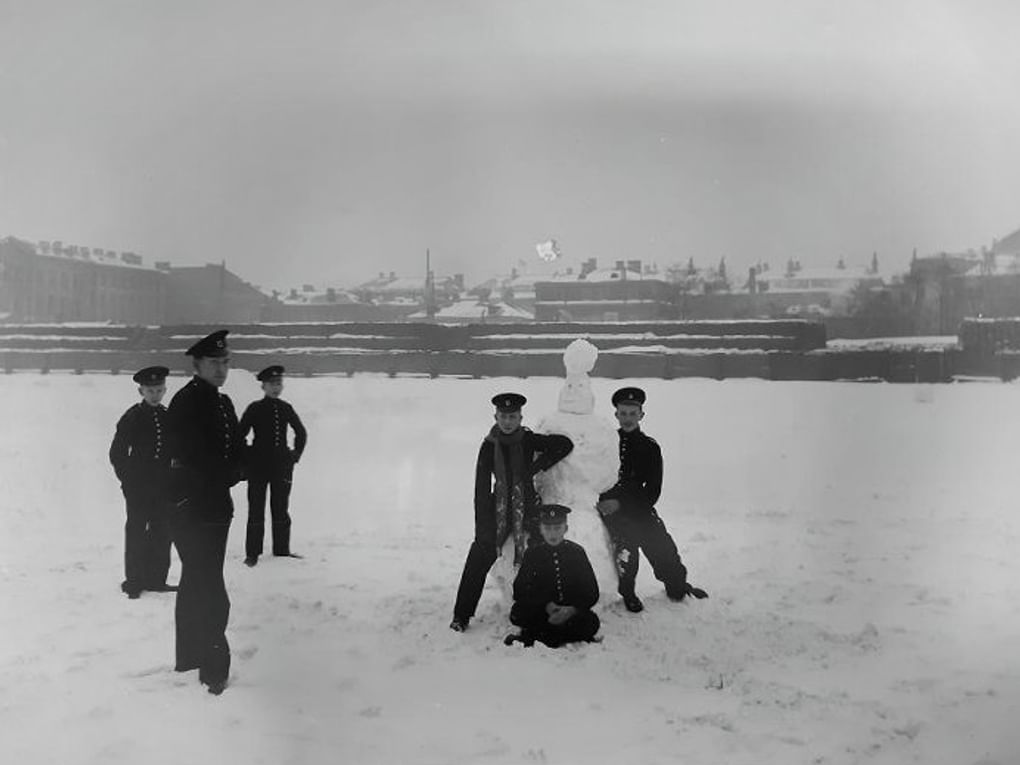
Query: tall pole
x: 430, y: 303
x: 219, y: 303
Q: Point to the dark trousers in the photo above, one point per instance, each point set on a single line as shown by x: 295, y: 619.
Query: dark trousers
x: 645, y: 532
x: 581, y: 627
x: 146, y: 541
x: 482, y: 554
x: 278, y: 483
x: 480, y: 558
x: 203, y: 606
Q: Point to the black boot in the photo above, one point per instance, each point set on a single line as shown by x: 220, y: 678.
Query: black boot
x: 632, y: 602
x: 132, y: 590
x: 523, y: 637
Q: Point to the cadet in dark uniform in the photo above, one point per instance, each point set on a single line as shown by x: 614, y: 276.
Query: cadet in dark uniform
x: 628, y: 508
x: 555, y: 588
x: 205, y: 454
x: 270, y: 464
x: 139, y: 457
x: 505, y: 496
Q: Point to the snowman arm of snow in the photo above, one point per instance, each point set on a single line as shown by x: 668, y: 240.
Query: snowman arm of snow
x: 553, y: 448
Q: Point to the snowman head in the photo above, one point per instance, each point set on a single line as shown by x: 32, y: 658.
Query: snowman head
x: 580, y: 356
x: 576, y: 396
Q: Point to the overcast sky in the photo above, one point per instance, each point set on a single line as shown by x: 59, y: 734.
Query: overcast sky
x: 324, y: 141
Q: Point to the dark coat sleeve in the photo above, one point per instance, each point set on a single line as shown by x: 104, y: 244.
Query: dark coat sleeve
x: 527, y: 591
x: 247, y: 421
x: 585, y: 583
x: 184, y: 434
x: 640, y: 490
x: 550, y: 449
x: 483, y: 478
x: 300, y: 434
x: 120, y: 447
x: 651, y: 486
x: 235, y: 467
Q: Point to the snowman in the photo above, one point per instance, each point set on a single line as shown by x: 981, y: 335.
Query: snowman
x: 591, y: 468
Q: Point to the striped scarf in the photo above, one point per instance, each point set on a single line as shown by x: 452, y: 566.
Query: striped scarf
x: 509, y: 491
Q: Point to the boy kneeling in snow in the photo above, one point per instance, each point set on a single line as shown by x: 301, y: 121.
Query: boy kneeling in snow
x: 555, y: 588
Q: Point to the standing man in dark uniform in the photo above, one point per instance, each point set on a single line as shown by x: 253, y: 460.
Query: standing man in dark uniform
x: 628, y: 508
x: 505, y: 496
x: 139, y: 458
x: 270, y: 464
x: 555, y: 588
x: 205, y: 454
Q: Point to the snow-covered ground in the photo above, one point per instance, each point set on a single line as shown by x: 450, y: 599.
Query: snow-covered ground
x: 859, y: 543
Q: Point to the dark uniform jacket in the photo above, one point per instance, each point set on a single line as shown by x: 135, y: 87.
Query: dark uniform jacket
x: 205, y: 444
x: 269, y: 418
x: 560, y: 574
x: 640, y: 478
x: 138, y: 452
x: 550, y: 448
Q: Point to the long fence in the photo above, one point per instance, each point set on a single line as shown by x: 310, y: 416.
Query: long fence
x: 767, y: 349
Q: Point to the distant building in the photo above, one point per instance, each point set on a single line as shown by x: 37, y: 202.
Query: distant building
x: 516, y: 289
x: 949, y: 287
x: 476, y: 311
x: 806, y: 291
x: 311, y: 305
x: 50, y: 282
x: 626, y: 292
x: 390, y: 289
x: 212, y: 294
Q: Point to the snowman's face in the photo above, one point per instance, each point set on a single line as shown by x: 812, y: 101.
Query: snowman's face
x: 508, y: 422
x: 629, y: 416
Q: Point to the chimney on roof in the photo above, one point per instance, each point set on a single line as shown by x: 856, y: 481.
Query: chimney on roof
x: 634, y: 265
x: 458, y: 280
x: 58, y: 247
x: 162, y: 265
x: 44, y: 248
x: 307, y: 288
x: 393, y: 274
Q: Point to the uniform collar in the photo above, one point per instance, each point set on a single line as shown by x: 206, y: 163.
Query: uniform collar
x: 204, y: 385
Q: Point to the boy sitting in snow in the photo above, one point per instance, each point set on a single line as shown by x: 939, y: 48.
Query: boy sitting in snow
x: 555, y: 588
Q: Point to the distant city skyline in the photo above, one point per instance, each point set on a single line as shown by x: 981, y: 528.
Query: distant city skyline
x: 328, y: 141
